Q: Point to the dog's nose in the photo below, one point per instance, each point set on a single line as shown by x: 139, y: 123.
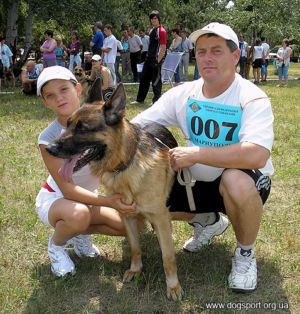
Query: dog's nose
x: 53, y: 149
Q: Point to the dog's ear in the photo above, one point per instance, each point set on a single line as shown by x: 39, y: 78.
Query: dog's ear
x: 95, y: 93
x: 115, y: 106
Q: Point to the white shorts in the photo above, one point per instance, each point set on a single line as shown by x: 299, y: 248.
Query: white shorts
x: 44, y: 201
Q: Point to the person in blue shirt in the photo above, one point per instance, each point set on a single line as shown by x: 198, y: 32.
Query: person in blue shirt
x: 97, y: 40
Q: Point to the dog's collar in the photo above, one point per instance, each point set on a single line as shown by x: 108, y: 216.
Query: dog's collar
x: 124, y: 165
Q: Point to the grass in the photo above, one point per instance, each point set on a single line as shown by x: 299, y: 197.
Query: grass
x: 26, y: 283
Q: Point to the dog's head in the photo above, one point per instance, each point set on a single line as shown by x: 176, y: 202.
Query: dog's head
x: 79, y: 73
x: 8, y: 72
x: 90, y: 130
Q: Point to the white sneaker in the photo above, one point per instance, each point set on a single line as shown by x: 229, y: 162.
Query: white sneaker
x: 243, y: 276
x: 137, y: 102
x: 83, y: 246
x: 204, y: 235
x: 61, y: 263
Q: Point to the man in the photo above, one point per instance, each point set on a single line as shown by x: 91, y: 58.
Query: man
x: 155, y: 56
x: 29, y: 77
x: 97, y: 40
x: 135, y: 48
x: 264, y: 70
x: 243, y: 56
x: 145, y: 41
x: 126, y: 67
x: 176, y: 46
x: 109, y: 50
x: 187, y: 48
x: 228, y: 123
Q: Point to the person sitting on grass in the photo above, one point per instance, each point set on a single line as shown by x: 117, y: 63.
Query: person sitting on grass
x: 73, y: 209
x: 99, y: 70
x: 29, y: 77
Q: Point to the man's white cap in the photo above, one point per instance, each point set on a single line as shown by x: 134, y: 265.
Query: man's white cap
x: 96, y: 58
x: 54, y: 73
x: 221, y: 30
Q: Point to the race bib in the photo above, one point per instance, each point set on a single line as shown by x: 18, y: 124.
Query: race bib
x: 212, y: 124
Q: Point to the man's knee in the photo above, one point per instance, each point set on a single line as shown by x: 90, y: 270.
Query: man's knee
x: 237, y: 184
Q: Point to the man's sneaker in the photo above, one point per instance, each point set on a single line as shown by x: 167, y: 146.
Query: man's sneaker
x: 204, y: 235
x: 61, y: 263
x: 83, y: 246
x: 137, y: 102
x: 243, y: 276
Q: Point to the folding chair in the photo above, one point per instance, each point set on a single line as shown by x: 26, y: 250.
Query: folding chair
x: 169, y: 66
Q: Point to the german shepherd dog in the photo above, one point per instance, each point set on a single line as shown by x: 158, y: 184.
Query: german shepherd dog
x: 82, y: 79
x: 9, y: 78
x: 129, y: 160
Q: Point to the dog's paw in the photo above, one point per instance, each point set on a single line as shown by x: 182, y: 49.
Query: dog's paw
x: 175, y: 293
x: 129, y: 274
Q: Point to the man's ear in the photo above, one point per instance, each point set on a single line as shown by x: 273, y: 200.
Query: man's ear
x: 114, y: 109
x: 95, y: 93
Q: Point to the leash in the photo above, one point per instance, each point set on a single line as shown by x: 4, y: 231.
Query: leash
x: 188, y: 180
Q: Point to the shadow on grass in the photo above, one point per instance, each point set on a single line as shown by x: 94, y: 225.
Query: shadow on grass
x: 97, y: 286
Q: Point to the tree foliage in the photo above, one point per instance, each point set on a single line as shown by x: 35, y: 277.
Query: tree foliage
x: 273, y: 19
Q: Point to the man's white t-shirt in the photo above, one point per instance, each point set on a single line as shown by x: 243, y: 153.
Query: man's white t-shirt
x: 110, y: 42
x: 256, y: 122
x: 266, y: 48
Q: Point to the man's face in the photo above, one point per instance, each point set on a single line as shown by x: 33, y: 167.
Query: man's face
x: 107, y: 31
x: 142, y: 34
x: 215, y: 61
x: 154, y: 21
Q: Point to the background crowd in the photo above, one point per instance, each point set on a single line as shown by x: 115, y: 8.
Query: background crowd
x: 124, y: 57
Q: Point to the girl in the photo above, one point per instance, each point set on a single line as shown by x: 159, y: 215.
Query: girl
x: 73, y: 209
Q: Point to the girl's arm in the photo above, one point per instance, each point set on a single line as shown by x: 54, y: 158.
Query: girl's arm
x: 78, y: 194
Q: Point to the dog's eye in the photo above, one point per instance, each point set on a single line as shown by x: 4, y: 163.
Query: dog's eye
x: 82, y: 126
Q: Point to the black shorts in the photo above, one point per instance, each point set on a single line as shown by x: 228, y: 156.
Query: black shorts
x: 207, y: 197
x: 257, y: 63
x: 1, y: 70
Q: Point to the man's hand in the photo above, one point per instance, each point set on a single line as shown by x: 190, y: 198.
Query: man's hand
x: 183, y: 157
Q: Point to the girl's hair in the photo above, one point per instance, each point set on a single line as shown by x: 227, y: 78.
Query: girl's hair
x: 286, y: 41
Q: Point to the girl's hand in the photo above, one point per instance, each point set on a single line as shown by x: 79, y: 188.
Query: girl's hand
x: 115, y: 202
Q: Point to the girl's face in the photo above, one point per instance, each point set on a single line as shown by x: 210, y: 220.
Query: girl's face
x: 62, y: 97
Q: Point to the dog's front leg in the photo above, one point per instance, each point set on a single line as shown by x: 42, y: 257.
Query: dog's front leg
x: 131, y: 225
x: 163, y: 229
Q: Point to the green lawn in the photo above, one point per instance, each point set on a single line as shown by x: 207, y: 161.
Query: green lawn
x: 26, y: 283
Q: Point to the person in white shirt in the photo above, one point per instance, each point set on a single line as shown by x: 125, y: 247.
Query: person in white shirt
x: 264, y: 69
x: 135, y: 48
x: 70, y: 203
x: 258, y: 57
x: 187, y: 47
x: 228, y: 124
x: 283, y: 63
x: 145, y: 41
x: 109, y: 50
